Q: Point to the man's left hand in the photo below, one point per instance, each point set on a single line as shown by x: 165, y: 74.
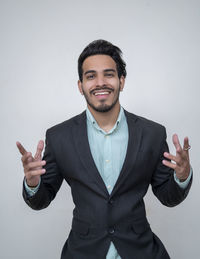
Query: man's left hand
x: 180, y: 162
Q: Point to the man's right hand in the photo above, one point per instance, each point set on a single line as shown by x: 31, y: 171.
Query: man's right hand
x: 32, y: 165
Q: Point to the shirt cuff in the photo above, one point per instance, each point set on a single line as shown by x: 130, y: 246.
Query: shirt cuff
x: 31, y: 191
x: 184, y: 184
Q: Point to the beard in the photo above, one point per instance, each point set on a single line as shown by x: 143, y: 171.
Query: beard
x: 102, y: 107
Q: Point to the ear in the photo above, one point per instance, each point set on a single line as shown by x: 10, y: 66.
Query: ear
x: 121, y: 83
x: 80, y: 87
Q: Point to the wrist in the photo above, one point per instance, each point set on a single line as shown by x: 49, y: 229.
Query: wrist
x: 183, y: 177
x: 32, y: 185
x: 182, y: 180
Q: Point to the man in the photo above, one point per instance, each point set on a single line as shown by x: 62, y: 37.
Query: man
x: 109, y: 157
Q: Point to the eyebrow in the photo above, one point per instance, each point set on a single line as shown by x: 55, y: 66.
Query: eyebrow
x: 110, y: 70
x: 105, y: 70
x: 89, y: 71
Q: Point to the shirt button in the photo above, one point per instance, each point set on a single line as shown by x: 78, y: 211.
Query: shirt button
x: 109, y: 186
x: 107, y: 161
x: 111, y: 231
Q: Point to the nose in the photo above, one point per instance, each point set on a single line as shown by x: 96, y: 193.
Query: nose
x: 100, y: 81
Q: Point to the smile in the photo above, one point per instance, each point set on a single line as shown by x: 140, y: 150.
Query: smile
x: 101, y: 93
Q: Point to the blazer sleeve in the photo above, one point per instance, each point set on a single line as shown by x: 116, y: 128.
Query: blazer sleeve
x: 164, y: 186
x: 50, y: 181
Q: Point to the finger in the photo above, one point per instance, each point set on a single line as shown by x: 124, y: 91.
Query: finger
x: 34, y: 165
x: 176, y: 143
x: 169, y: 164
x: 33, y: 173
x: 172, y: 157
x: 22, y: 150
x: 40, y: 147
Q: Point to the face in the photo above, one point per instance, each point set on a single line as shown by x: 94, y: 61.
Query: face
x: 100, y: 85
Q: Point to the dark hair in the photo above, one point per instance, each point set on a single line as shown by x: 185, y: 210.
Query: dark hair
x: 102, y: 47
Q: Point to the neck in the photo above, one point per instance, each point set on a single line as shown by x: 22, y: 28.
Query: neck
x: 106, y: 120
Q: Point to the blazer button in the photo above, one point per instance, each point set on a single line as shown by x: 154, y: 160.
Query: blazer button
x: 111, y: 231
x: 111, y: 201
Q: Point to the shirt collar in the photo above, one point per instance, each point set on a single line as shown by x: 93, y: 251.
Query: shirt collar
x: 92, y: 120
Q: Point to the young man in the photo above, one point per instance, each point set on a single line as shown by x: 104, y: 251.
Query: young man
x: 109, y: 157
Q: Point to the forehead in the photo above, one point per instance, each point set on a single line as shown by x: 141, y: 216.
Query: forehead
x: 98, y: 63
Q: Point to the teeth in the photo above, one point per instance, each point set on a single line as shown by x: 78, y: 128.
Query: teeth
x: 102, y: 93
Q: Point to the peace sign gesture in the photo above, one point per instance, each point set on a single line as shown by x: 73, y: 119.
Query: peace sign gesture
x: 32, y: 165
x: 180, y: 162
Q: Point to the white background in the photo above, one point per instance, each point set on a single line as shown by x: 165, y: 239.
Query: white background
x: 40, y: 42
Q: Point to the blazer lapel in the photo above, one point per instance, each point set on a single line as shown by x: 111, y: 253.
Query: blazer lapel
x: 83, y: 149
x: 135, y: 136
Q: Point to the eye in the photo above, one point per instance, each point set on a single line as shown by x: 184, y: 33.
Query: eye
x: 109, y: 74
x: 90, y: 76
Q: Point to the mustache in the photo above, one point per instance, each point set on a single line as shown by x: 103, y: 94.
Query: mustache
x: 101, y: 88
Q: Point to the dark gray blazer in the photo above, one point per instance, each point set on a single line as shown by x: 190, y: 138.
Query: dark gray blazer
x: 98, y: 217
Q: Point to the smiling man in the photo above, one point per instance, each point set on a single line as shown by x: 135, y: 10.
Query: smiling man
x: 109, y: 157
x: 101, y: 83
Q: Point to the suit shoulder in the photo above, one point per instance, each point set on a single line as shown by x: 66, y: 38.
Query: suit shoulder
x: 150, y: 123
x: 67, y: 124
x: 145, y: 122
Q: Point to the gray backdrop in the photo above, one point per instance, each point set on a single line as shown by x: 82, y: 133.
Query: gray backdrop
x: 40, y: 42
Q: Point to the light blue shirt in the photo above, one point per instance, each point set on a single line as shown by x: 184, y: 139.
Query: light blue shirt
x: 109, y: 150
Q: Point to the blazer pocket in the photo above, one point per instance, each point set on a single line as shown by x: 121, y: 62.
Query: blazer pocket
x: 80, y: 227
x: 140, y: 226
